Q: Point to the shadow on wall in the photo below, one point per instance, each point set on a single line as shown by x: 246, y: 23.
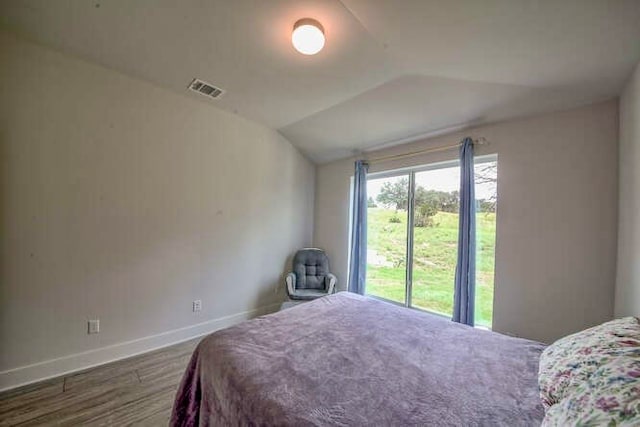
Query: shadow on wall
x: 417, y: 104
x: 274, y: 293
x: 4, y: 193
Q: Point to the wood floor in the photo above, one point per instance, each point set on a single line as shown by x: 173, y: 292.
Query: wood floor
x: 135, y: 391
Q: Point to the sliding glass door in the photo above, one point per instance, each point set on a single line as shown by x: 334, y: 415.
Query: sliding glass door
x: 412, y: 237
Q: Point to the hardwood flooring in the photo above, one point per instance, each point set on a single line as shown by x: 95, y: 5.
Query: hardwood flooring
x: 135, y: 391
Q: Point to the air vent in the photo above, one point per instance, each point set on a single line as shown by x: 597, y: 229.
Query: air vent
x: 206, y: 89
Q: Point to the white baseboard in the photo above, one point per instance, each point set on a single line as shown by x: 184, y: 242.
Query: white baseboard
x: 28, y: 374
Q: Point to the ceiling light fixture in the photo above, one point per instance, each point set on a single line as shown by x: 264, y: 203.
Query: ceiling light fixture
x: 308, y: 36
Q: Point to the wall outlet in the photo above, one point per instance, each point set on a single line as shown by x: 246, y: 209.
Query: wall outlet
x: 197, y: 305
x: 93, y: 326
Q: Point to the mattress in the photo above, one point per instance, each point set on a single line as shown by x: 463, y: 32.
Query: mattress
x: 349, y: 360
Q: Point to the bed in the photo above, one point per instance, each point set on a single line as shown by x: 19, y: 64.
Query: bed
x: 348, y: 360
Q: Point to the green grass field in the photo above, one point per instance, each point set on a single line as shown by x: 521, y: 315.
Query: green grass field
x: 435, y: 252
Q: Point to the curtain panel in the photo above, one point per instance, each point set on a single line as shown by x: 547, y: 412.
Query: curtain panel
x: 358, y: 250
x: 465, y: 278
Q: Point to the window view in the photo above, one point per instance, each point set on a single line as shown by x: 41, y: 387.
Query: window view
x: 435, y: 239
x: 486, y: 177
x: 387, y: 237
x: 432, y: 238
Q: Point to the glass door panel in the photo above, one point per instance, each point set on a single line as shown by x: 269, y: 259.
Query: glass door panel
x: 387, y: 237
x: 435, y: 239
x: 486, y: 179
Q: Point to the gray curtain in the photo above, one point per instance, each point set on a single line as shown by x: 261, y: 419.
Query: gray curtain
x: 465, y: 281
x: 358, y: 250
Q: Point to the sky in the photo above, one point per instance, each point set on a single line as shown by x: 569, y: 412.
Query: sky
x: 445, y: 179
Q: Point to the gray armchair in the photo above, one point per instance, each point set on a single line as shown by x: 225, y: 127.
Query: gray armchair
x: 310, y: 278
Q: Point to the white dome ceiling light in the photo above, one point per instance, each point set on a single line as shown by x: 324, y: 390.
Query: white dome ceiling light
x: 308, y: 36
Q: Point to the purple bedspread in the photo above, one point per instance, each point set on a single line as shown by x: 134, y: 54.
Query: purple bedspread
x: 347, y: 360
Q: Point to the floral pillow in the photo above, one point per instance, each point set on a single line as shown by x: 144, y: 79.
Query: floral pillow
x: 570, y: 362
x: 610, y: 397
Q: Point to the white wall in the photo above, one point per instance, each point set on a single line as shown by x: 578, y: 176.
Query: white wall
x: 557, y: 214
x: 627, y: 302
x: 125, y: 202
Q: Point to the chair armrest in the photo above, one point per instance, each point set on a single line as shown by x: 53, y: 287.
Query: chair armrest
x: 330, y: 281
x: 291, y: 283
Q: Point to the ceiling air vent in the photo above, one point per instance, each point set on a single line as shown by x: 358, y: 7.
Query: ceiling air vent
x: 206, y: 89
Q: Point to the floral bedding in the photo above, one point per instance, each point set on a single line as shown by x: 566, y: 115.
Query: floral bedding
x: 611, y: 396
x: 593, y: 377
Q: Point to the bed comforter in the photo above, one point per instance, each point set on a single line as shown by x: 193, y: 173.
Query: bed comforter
x: 348, y: 360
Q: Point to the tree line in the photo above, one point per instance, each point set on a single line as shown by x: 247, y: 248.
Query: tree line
x: 427, y: 202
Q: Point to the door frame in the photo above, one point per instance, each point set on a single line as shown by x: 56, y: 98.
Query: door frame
x: 410, y: 172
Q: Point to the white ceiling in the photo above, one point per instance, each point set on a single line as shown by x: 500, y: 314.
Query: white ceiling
x: 390, y: 70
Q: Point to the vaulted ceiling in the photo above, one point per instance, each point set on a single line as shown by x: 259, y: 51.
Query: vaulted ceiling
x: 391, y: 70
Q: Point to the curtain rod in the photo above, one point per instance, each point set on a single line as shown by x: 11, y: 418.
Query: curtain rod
x: 478, y: 141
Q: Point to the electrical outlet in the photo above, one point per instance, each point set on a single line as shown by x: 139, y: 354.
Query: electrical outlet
x: 197, y: 305
x: 93, y: 326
